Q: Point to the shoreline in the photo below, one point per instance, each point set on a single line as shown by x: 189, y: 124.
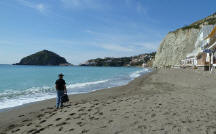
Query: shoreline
x: 30, y: 103
x: 163, y: 101
x: 34, y: 107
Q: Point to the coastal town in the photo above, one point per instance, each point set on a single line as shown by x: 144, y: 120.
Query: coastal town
x: 205, y: 57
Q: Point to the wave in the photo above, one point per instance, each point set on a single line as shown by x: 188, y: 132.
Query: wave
x: 12, y: 98
x: 139, y: 73
x: 79, y: 85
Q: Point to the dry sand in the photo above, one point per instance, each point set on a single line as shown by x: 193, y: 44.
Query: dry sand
x: 162, y: 102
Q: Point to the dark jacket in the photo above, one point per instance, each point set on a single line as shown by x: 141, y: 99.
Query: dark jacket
x: 60, y: 84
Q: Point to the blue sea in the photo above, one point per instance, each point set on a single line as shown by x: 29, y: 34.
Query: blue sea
x: 25, y: 84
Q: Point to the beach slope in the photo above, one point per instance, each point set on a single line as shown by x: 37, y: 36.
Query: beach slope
x: 161, y: 102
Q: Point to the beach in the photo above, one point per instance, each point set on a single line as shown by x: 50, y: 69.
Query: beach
x: 171, y: 101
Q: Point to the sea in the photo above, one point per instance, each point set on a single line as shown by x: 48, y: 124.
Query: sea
x: 20, y: 85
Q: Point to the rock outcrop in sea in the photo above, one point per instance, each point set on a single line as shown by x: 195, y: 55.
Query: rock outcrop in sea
x: 177, y: 45
x: 44, y: 57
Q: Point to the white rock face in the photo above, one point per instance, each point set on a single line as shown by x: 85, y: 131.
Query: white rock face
x: 201, y: 41
x: 183, y: 42
x: 175, y: 47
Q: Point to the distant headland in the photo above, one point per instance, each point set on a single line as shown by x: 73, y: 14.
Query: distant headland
x: 44, y: 58
x: 145, y: 60
x: 48, y: 58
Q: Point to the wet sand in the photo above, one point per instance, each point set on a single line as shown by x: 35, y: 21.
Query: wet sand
x: 161, y: 102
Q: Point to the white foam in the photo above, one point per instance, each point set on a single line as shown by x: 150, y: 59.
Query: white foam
x: 8, y: 103
x: 79, y: 85
x: 12, y: 98
x: 139, y: 73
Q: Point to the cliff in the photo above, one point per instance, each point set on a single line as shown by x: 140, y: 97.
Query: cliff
x: 182, y: 42
x: 123, y: 61
x: 44, y: 57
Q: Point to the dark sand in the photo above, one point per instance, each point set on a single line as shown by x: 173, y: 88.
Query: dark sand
x: 162, y: 102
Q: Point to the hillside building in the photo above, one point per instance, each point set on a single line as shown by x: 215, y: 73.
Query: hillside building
x: 206, y: 57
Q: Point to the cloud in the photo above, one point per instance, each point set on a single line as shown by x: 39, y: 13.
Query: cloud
x: 81, y: 4
x: 37, y: 6
x: 137, y: 5
x: 148, y: 46
x: 103, y: 45
x: 74, y: 3
x: 141, y: 9
x: 118, y: 48
x: 132, y: 47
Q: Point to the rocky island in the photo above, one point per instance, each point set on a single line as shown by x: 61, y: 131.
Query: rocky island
x: 139, y: 60
x: 43, y: 58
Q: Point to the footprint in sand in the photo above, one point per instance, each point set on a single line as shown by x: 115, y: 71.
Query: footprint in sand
x: 153, y: 115
x: 91, y: 117
x: 52, y: 114
x: 80, y: 124
x: 61, y: 124
x: 38, y: 131
x: 40, y: 115
x: 136, y: 122
x: 83, y: 114
x: 142, y: 127
x: 84, y: 131
x: 60, y: 129
x: 118, y: 132
x: 57, y: 119
x: 96, y: 118
x: 81, y: 109
x: 21, y: 115
x: 42, y: 121
x: 76, y: 104
x: 77, y: 117
x: 92, y: 107
x: 37, y: 125
x: 16, y: 130
x: 126, y: 117
x: 71, y: 129
x: 96, y: 104
x: 67, y: 118
x: 72, y: 114
x: 50, y: 125
x: 103, y: 127
x: 95, y: 113
x: 112, y: 110
x: 110, y: 121
x: 50, y: 108
x: 11, y: 126
x: 32, y: 130
x: 29, y: 124
x: 47, y: 112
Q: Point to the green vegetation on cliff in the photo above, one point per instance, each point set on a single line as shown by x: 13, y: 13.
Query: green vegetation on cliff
x: 123, y: 61
x: 44, y: 57
x: 210, y: 20
x: 178, y: 44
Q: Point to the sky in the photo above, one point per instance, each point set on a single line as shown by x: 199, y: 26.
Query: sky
x: 84, y: 29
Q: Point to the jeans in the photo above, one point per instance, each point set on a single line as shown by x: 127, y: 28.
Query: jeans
x: 60, y: 93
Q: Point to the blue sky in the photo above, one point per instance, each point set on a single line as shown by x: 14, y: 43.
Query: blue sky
x: 83, y: 29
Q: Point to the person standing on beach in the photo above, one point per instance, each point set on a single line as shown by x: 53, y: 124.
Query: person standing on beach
x: 60, y: 89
